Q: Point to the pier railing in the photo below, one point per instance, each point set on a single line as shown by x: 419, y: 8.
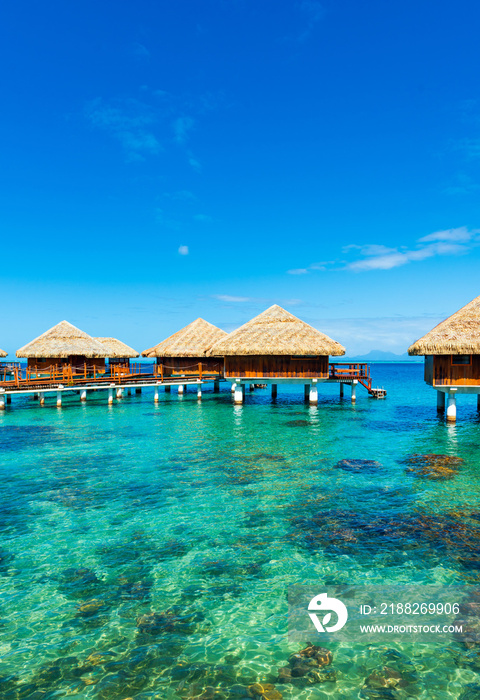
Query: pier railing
x: 73, y: 376
x: 349, y: 370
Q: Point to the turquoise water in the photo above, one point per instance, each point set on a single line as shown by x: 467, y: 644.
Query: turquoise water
x: 146, y: 550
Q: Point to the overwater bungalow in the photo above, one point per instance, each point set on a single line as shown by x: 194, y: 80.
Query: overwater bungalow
x: 118, y: 353
x: 64, y: 344
x: 276, y: 347
x: 2, y: 354
x: 452, y: 357
x: 183, y: 352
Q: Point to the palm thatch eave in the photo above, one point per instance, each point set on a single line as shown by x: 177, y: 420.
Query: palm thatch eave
x: 277, y: 332
x: 115, y: 348
x: 63, y: 340
x: 193, y: 340
x: 459, y: 334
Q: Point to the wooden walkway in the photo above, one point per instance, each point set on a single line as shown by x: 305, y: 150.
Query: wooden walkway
x: 17, y: 380
x: 346, y: 373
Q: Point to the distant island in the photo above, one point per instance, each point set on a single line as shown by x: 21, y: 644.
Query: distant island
x: 382, y: 356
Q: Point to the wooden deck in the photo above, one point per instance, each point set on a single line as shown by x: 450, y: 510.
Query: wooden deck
x: 20, y: 379
x: 17, y: 380
x: 347, y: 372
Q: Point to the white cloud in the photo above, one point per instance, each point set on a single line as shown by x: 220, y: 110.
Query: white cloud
x: 376, y: 256
x: 181, y: 127
x: 195, y: 164
x: 471, y: 147
x: 181, y: 196
x: 312, y: 11
x: 130, y: 122
x: 372, y: 249
x: 231, y: 299
x: 461, y: 234
x: 454, y: 241
x: 183, y: 250
x: 140, y: 51
x: 257, y: 301
x: 318, y: 266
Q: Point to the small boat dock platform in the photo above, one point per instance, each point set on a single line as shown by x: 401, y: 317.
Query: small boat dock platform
x: 352, y: 373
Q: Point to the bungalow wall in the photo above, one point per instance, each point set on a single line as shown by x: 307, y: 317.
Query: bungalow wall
x: 123, y: 361
x: 43, y: 363
x: 281, y: 366
x: 443, y: 370
x: 189, y: 365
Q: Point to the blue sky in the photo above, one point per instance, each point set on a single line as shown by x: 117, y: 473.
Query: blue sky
x: 168, y: 160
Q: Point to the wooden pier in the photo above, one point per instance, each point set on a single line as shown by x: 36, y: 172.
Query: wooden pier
x: 55, y: 380
x: 352, y: 373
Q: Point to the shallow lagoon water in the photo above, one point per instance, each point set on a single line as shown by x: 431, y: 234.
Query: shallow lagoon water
x: 146, y: 550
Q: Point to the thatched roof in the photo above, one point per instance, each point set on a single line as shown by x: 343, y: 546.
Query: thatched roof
x: 63, y: 340
x: 3, y: 353
x: 192, y: 341
x: 459, y: 334
x: 277, y: 332
x: 115, y: 348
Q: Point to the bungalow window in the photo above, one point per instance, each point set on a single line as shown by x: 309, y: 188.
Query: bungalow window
x: 461, y: 359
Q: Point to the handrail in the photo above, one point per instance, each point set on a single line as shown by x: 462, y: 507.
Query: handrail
x: 81, y: 375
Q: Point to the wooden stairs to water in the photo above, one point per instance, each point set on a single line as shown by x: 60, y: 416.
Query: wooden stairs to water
x: 347, y: 372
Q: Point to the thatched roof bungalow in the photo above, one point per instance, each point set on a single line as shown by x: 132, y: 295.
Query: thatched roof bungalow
x: 117, y: 352
x: 277, y: 345
x: 452, y: 349
x: 3, y: 353
x: 182, y: 352
x: 63, y: 344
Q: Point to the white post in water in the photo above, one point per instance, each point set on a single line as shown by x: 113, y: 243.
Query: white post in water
x: 440, y: 401
x: 234, y: 386
x: 307, y: 391
x: 354, y: 390
x: 341, y: 390
x: 155, y: 394
x: 59, y: 399
x: 119, y: 393
x: 181, y: 388
x: 110, y: 395
x: 239, y: 394
x: 216, y: 385
x: 452, y: 406
x: 2, y: 399
x: 83, y: 395
x: 199, y: 390
x: 313, y: 396
x: 274, y: 391
x: 42, y: 398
